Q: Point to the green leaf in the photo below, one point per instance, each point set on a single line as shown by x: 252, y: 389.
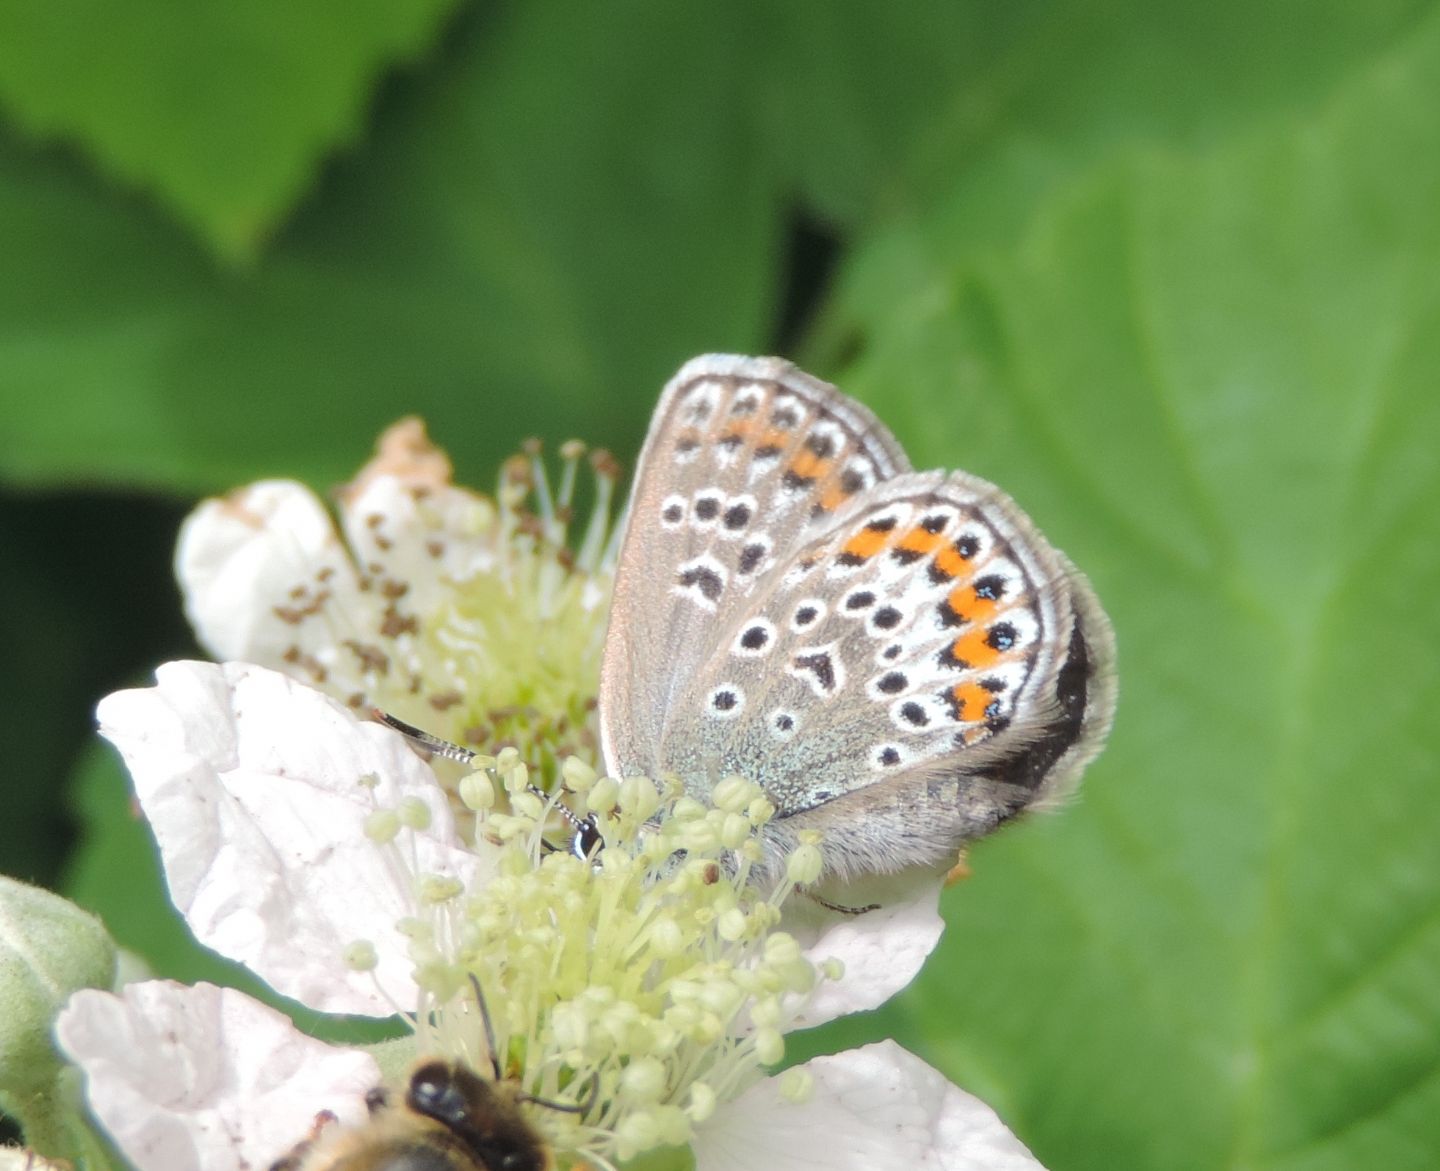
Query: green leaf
x: 540, y: 226
x: 1205, y: 369
x: 1044, y: 91
x: 541, y: 223
x: 223, y: 111
x: 882, y: 109
x: 1210, y: 376
x: 524, y: 247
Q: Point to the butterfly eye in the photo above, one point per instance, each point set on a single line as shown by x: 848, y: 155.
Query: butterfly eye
x: 587, y: 841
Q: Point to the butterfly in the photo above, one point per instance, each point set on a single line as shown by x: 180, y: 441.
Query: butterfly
x: 898, y: 658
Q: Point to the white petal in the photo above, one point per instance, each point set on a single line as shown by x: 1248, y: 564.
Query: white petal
x: 252, y: 783
x: 402, y: 511
x: 241, y: 557
x: 205, y: 1076
x: 874, y: 1109
x: 882, y: 951
x: 430, y: 539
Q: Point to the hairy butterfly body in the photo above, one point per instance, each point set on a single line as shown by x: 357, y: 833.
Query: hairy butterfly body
x: 900, y: 659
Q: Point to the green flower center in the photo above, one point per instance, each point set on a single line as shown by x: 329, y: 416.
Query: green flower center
x: 649, y: 981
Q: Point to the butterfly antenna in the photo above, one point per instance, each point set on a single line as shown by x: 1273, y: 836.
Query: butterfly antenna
x: 575, y: 820
x: 427, y: 740
x: 841, y: 907
x: 488, y: 1023
x: 584, y: 827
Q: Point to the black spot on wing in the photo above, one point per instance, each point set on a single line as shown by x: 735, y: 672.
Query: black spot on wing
x: 1028, y: 768
x: 754, y: 638
x: 737, y: 516
x: 820, y: 667
x: 707, y: 581
x: 750, y: 558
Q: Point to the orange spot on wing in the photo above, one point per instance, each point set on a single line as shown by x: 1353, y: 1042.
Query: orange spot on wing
x: 833, y: 498
x: 968, y: 606
x: 865, y: 543
x: 741, y: 429
x: 918, y: 540
x: 949, y: 562
x: 972, y: 648
x: 810, y: 466
x: 968, y: 701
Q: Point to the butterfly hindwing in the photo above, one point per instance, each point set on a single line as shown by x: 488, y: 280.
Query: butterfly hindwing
x: 922, y: 637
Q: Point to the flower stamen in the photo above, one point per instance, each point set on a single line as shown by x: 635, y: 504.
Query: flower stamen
x: 649, y: 979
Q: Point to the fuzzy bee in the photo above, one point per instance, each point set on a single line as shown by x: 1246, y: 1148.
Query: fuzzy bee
x: 447, y: 1119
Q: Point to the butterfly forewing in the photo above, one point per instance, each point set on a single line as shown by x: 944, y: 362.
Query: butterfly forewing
x: 745, y: 458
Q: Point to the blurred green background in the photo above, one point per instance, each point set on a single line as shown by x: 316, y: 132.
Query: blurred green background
x: 1170, y: 273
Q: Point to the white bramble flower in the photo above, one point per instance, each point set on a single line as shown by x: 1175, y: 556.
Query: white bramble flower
x: 264, y: 795
x: 468, y: 616
x: 645, y: 985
